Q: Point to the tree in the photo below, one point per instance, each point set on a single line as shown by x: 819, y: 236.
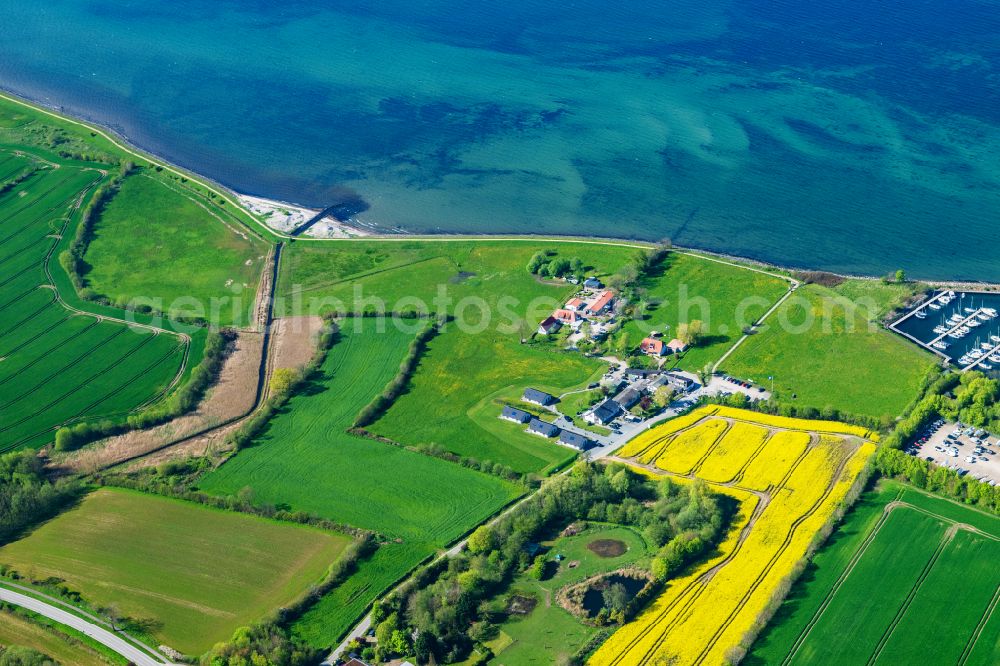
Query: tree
x: 625, y: 277
x: 399, y: 642
x: 559, y: 267
x: 481, y: 541
x: 537, y: 261
x: 664, y: 395
x: 16, y: 655
x: 64, y: 439
x: 900, y: 276
x: 578, y: 266
x: 690, y: 333
x: 384, y: 632
x: 424, y: 647
x: 282, y: 380
x: 537, y: 571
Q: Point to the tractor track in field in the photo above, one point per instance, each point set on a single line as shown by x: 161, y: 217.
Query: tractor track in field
x: 946, y: 539
x: 834, y: 479
x: 41, y: 217
x: 13, y: 276
x: 81, y: 385
x: 35, y: 200
x: 56, y: 373
x: 764, y: 499
x: 31, y: 316
x: 121, y: 387
x: 11, y: 257
x: 987, y: 614
x: 741, y: 472
x: 184, y: 338
x: 42, y: 356
x: 28, y: 292
x: 693, y: 591
x: 43, y: 332
x: 711, y: 449
x: 851, y: 565
x: 858, y: 555
x: 49, y: 277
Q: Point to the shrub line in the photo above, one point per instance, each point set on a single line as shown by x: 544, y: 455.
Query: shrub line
x: 381, y: 403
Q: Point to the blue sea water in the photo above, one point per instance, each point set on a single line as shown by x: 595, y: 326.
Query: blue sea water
x: 837, y: 134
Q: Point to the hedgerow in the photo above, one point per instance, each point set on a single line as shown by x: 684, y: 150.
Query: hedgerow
x: 377, y: 407
x: 282, y: 392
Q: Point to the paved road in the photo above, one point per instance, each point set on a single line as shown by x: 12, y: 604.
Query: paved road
x: 99, y: 634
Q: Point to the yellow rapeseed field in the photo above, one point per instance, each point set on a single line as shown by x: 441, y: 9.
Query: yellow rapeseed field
x: 703, y: 616
x: 650, y: 454
x: 663, y: 432
x: 690, y: 446
x: 787, y: 423
x: 733, y: 452
x: 775, y: 460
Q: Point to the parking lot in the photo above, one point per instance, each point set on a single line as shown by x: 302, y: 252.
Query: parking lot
x: 959, y: 447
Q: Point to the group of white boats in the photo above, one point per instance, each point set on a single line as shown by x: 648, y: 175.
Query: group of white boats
x: 962, y: 322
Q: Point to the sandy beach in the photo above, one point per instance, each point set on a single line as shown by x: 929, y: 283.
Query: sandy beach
x: 284, y: 217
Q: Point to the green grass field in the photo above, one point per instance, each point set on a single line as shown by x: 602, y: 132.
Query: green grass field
x: 451, y: 400
x: 307, y: 460
x: 725, y: 298
x: 936, y: 584
x: 199, y: 573
x: 826, y: 353
x: 550, y: 632
x: 191, y: 257
x: 57, y: 365
x: 335, y: 613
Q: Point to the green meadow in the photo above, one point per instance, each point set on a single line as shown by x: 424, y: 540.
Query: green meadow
x: 724, y: 297
x: 825, y: 352
x: 549, y: 633
x: 452, y: 400
x: 197, y: 573
x: 336, y: 612
x: 306, y: 458
x: 155, y: 240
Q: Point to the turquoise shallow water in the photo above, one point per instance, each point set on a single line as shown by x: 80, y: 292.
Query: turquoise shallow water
x: 858, y: 137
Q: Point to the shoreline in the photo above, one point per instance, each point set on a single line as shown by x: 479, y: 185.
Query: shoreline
x: 353, y: 232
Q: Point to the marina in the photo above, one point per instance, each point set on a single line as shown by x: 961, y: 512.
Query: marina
x: 960, y: 327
